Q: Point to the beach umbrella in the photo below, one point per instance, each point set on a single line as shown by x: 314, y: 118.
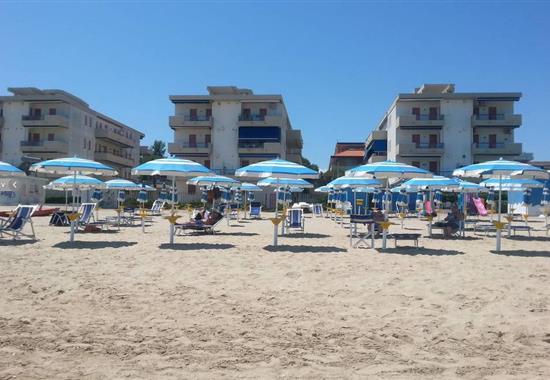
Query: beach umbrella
x: 464, y: 187
x: 388, y: 170
x: 171, y: 167
x: 245, y: 186
x: 353, y: 182
x: 511, y: 184
x: 278, y: 182
x: 248, y: 189
x: 501, y: 169
x: 276, y: 168
x: 323, y: 189
x: 74, y: 182
x: 213, y: 180
x: 433, y: 183
x: 7, y: 170
x: 74, y: 166
x: 124, y: 184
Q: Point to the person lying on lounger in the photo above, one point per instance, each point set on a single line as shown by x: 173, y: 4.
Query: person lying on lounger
x: 206, y: 218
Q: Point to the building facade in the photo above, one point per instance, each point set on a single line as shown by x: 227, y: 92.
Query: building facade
x: 230, y: 128
x: 346, y: 156
x: 45, y: 124
x: 438, y: 129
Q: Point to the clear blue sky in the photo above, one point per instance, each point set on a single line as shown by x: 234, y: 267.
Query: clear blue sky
x: 338, y: 66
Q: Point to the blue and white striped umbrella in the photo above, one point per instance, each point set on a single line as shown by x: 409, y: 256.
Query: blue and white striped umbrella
x: 323, y: 189
x: 276, y: 168
x: 388, y: 169
x: 214, y: 180
x: 434, y: 183
x: 464, y: 187
x: 122, y: 184
x: 72, y: 165
x: 510, y: 184
x: 345, y: 182
x: 245, y: 186
x: 7, y: 170
x: 364, y: 189
x: 295, y: 189
x: 277, y: 182
x: 499, y: 168
x: 71, y: 181
x: 171, y: 167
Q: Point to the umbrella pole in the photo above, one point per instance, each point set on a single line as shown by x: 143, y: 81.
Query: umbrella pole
x: 173, y: 210
x: 430, y: 216
x: 498, y: 217
x: 73, y: 220
x: 385, y: 230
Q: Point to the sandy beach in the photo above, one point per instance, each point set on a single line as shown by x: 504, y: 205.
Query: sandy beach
x: 127, y: 305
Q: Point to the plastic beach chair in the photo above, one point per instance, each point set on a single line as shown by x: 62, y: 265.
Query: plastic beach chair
x: 255, y: 210
x: 295, y: 219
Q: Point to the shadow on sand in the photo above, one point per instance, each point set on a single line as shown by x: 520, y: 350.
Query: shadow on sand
x: 305, y: 249
x: 522, y: 253
x: 412, y: 251
x: 529, y: 238
x: 306, y: 235
x: 195, y: 246
x: 15, y: 243
x: 457, y: 238
x: 236, y: 233
x: 93, y: 244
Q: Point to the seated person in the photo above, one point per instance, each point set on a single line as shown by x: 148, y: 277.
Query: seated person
x: 451, y: 223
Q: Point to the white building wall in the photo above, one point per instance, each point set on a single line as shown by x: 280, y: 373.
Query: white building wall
x: 13, y: 131
x: 225, y: 133
x: 456, y: 134
x: 81, y: 131
x: 392, y: 133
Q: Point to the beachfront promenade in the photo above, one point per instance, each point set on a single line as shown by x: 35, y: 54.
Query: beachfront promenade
x: 126, y: 304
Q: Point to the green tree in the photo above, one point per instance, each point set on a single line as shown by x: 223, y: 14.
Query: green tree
x: 158, y: 148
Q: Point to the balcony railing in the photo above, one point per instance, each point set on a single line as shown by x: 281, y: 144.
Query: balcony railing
x: 429, y: 146
x: 197, y: 118
x: 256, y: 117
x: 42, y: 116
x: 224, y: 171
x: 41, y: 142
x: 193, y: 145
x: 489, y: 145
x: 428, y: 117
x: 487, y: 116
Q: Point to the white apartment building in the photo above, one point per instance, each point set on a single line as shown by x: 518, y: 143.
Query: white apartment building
x: 230, y: 128
x: 46, y: 124
x: 438, y: 129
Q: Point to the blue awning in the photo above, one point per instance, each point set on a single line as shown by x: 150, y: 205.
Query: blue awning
x: 260, y: 133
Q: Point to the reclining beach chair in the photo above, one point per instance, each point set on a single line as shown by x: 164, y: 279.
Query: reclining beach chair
x: 156, y: 208
x: 207, y: 227
x: 255, y: 210
x: 86, y: 219
x: 295, y: 219
x: 233, y: 211
x: 14, y: 225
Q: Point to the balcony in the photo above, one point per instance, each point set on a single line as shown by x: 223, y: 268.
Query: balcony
x: 110, y: 157
x: 377, y: 157
x: 294, y: 139
x: 496, y: 120
x: 260, y: 148
x: 420, y: 121
x: 58, y: 120
x: 258, y: 120
x: 188, y: 121
x: 45, y: 146
x: 187, y: 148
x: 420, y: 149
x: 504, y: 149
x: 117, y: 138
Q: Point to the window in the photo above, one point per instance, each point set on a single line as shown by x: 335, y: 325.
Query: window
x: 476, y: 139
x: 85, y: 119
x: 84, y: 143
x: 416, y: 139
x: 416, y: 112
x: 208, y: 113
x: 246, y: 113
x: 263, y: 113
x: 191, y: 189
x: 36, y: 137
x: 416, y: 163
x: 192, y: 141
x: 104, y: 149
x: 193, y: 114
x: 492, y: 113
x: 89, y: 144
x: 433, y: 166
x: 52, y: 111
x: 51, y: 136
x: 492, y: 141
x: 207, y: 163
x: 433, y: 141
x: 37, y: 112
x: 207, y: 140
x: 433, y: 113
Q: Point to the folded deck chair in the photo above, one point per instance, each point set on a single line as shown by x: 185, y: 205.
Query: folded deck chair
x: 295, y: 219
x: 86, y: 211
x: 14, y: 225
x: 318, y: 209
x: 156, y: 208
x: 255, y: 210
x: 234, y: 211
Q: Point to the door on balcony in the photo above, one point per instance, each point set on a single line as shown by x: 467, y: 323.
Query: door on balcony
x: 207, y: 163
x: 476, y: 140
x: 207, y: 140
x: 433, y: 113
x: 433, y: 141
x: 208, y: 113
x: 416, y: 140
x: 416, y: 112
x: 34, y: 137
x: 246, y: 113
x: 193, y: 114
x: 492, y: 113
x: 492, y: 141
x: 192, y: 141
x: 263, y: 113
x: 433, y: 166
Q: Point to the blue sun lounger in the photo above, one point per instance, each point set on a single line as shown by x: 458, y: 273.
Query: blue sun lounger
x: 14, y: 225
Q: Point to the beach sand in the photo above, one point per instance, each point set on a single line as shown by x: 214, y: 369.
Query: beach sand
x: 127, y: 305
